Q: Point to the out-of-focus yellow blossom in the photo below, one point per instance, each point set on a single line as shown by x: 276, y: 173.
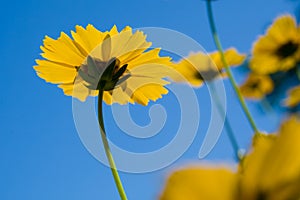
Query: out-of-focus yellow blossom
x: 278, y: 49
x: 257, y: 86
x: 271, y: 171
x: 200, y: 67
x: 137, y: 74
x: 207, y: 183
x: 293, y: 99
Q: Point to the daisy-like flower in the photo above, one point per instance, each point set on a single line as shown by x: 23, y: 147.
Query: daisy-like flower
x: 293, y: 99
x: 271, y: 171
x: 257, y: 86
x: 120, y: 63
x: 278, y: 49
x: 200, y: 67
x: 207, y: 182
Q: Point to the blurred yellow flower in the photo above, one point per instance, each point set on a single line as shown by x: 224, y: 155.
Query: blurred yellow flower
x: 270, y: 171
x: 278, y: 49
x: 293, y: 99
x: 257, y: 86
x: 131, y: 72
x: 206, y: 183
x: 200, y: 67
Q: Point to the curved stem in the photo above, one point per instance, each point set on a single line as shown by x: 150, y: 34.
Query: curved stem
x: 228, y: 71
x: 107, y: 149
x: 227, y: 125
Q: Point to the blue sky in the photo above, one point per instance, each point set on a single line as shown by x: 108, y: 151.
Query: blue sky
x: 41, y: 154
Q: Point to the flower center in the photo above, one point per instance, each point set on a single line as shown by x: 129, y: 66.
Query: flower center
x: 287, y: 49
x: 101, y: 75
x: 254, y: 85
x: 206, y: 75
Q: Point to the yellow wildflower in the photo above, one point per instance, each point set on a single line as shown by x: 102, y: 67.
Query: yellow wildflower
x: 129, y: 72
x: 257, y: 86
x: 200, y: 67
x: 293, y: 99
x: 270, y: 171
x: 278, y: 49
x: 207, y: 183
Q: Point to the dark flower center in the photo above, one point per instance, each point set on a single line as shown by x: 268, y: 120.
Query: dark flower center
x: 261, y: 196
x: 287, y: 49
x: 254, y: 85
x: 206, y: 75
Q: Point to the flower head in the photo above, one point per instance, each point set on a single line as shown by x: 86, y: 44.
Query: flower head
x: 199, y: 67
x: 270, y: 171
x: 257, y: 86
x: 278, y: 49
x: 205, y: 183
x: 120, y: 63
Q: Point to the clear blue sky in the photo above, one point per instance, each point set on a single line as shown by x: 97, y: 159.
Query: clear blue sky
x: 42, y: 157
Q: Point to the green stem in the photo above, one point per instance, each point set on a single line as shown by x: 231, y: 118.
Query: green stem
x: 227, y: 125
x: 298, y: 71
x: 107, y: 149
x: 228, y: 71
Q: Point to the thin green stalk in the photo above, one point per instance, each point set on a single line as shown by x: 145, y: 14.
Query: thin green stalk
x: 107, y: 149
x: 228, y: 71
x: 298, y: 71
x: 227, y: 125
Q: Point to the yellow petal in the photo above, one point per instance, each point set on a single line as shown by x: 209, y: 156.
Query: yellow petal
x: 283, y: 29
x: 293, y: 99
x: 88, y: 38
x: 120, y: 97
x: 107, y: 98
x: 232, y: 57
x: 143, y: 89
x: 201, y: 183
x: 284, y: 154
x: 148, y: 92
x: 136, y: 45
x: 252, y: 167
x: 54, y: 72
x: 257, y: 86
x: 272, y: 170
x: 150, y: 64
x: 78, y: 90
x: 63, y: 50
x: 113, y: 31
x: 269, y: 52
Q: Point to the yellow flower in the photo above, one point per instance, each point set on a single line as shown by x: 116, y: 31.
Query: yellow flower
x: 200, y: 67
x: 270, y: 171
x: 206, y: 183
x: 278, y: 49
x: 293, y: 99
x: 130, y: 71
x: 257, y: 86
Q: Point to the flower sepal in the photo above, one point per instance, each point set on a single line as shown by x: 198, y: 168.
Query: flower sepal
x: 100, y: 75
